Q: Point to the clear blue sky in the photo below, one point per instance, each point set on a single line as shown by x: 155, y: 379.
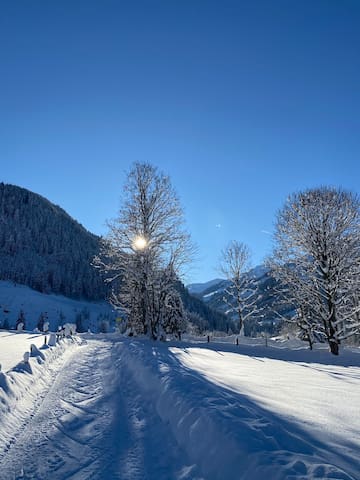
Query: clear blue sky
x: 240, y: 102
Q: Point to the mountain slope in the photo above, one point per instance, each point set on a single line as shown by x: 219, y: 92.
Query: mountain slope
x: 56, y: 309
x: 201, y: 315
x: 199, y: 288
x: 43, y: 247
x: 263, y: 287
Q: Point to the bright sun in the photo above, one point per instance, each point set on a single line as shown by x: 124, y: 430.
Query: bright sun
x: 139, y: 243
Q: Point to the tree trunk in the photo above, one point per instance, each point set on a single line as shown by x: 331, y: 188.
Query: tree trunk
x: 334, y: 346
x: 241, y: 323
x: 333, y: 342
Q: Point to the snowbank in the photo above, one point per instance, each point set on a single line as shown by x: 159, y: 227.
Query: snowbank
x: 13, y: 345
x: 250, y: 416
x: 179, y: 404
x: 30, y: 366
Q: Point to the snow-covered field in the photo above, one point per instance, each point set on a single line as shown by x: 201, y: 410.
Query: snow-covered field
x: 58, y: 309
x: 120, y: 408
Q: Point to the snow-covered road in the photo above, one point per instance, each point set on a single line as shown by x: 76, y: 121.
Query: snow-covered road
x: 94, y: 424
x: 118, y: 408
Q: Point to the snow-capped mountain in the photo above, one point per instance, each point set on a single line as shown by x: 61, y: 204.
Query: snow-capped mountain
x: 262, y: 285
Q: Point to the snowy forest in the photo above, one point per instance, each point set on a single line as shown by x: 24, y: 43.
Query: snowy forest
x: 310, y: 284
x: 315, y: 262
x: 159, y: 360
x: 42, y: 247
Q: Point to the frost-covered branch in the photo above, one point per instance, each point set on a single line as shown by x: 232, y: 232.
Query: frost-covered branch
x: 145, y: 250
x: 317, y: 256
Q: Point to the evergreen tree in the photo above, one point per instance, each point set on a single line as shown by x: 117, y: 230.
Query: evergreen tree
x: 43, y: 247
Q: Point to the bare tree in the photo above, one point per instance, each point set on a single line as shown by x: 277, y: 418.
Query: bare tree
x: 234, y: 263
x: 317, y: 256
x: 291, y: 307
x: 146, y: 248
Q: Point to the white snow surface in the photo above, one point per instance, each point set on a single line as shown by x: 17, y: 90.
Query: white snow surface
x: 59, y: 309
x: 13, y: 345
x: 122, y: 408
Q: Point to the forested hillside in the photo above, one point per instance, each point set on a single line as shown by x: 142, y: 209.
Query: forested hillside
x: 202, y: 315
x: 43, y: 247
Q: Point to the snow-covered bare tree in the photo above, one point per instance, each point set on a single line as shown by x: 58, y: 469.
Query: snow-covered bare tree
x: 292, y: 308
x: 146, y: 249
x: 240, y: 296
x: 317, y: 257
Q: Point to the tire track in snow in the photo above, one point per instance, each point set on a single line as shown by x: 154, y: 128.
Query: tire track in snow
x: 29, y: 401
x: 94, y: 424
x: 58, y: 440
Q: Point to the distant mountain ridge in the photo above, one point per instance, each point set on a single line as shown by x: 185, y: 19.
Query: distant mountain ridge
x: 262, y: 285
x: 198, y: 288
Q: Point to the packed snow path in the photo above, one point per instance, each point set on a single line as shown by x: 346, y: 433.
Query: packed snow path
x: 127, y: 409
x: 93, y: 424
